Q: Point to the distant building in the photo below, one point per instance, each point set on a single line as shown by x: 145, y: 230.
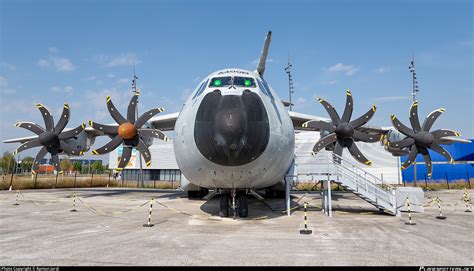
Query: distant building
x: 460, y: 171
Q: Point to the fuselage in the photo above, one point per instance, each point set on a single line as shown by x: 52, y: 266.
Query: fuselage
x: 234, y: 132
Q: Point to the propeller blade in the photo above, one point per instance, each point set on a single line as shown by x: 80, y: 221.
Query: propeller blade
x: 437, y: 148
x: 27, y: 145
x: 331, y: 111
x: 143, y: 132
x: 319, y: 125
x: 411, y: 157
x: 431, y: 118
x: 47, y: 117
x: 428, y: 164
x: 414, y: 120
x: 338, y: 147
x: 112, y: 145
x: 63, y: 120
x: 147, y: 115
x: 323, y: 142
x: 106, y: 129
x: 72, y: 133
x: 114, y: 112
x: 355, y: 152
x: 364, y: 118
x: 35, y: 128
x: 364, y: 137
x: 126, y: 154
x: 43, y: 151
x: 407, y: 142
x: 55, y: 160
x: 131, y: 110
x: 68, y: 149
x: 401, y: 127
x: 444, y: 132
x: 144, y: 151
x: 346, y: 116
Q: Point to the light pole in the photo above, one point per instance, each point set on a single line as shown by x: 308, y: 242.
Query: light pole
x: 413, y: 94
x: 290, y: 81
x: 135, y: 90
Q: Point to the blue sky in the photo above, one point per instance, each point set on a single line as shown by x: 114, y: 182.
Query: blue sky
x: 80, y: 51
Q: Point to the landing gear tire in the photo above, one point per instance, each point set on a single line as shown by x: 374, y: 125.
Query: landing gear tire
x: 224, y: 206
x: 243, y: 206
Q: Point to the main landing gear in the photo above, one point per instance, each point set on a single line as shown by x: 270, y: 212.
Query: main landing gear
x: 235, y: 202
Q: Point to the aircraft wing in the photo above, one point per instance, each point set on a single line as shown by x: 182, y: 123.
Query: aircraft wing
x: 164, y: 122
x: 300, y: 118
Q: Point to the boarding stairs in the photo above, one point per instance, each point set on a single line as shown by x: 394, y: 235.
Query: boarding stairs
x: 329, y: 166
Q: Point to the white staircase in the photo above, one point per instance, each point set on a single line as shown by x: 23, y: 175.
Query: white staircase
x: 370, y: 188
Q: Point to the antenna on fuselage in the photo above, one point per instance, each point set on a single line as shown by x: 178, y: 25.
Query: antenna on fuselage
x: 263, y: 55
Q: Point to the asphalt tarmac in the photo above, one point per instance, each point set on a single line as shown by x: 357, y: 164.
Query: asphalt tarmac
x: 107, y: 229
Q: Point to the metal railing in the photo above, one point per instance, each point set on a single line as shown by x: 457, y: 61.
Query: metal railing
x: 366, y: 185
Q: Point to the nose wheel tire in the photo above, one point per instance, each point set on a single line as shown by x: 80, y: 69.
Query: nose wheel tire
x: 224, y: 206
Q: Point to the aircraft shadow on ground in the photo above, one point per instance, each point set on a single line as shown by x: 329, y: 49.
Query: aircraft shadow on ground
x: 269, y: 208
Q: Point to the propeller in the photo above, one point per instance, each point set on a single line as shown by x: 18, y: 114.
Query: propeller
x: 344, y: 132
x: 128, y: 132
x: 419, y: 138
x: 52, y: 138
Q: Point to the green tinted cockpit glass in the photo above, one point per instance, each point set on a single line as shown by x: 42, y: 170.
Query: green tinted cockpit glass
x: 220, y: 81
x: 244, y: 82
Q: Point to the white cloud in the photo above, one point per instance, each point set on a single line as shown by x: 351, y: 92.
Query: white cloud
x: 63, y: 64
x: 4, y: 88
x: 128, y: 59
x: 7, y: 66
x: 346, y: 69
x: 110, y: 75
x: 185, y: 94
x: 332, y: 82
x: 43, y: 63
x: 382, y: 69
x: 53, y: 50
x: 123, y: 81
x: 255, y: 61
x: 90, y: 78
x: 66, y: 89
x: 3, y: 81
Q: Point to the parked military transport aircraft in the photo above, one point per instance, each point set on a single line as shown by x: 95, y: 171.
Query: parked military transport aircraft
x: 233, y: 135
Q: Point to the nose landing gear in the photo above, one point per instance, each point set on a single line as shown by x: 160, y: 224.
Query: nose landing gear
x: 237, y: 202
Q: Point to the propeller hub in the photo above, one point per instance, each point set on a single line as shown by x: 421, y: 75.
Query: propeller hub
x: 127, y: 130
x: 49, y: 139
x: 424, y: 139
x: 344, y: 130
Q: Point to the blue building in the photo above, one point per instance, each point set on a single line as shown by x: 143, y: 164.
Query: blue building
x: 462, y: 170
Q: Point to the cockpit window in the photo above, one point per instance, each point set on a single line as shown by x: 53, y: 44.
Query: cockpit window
x: 221, y: 81
x: 201, y: 89
x: 267, y: 88
x: 244, y: 82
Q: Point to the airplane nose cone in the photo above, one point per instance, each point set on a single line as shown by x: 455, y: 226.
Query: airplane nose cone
x: 231, y: 130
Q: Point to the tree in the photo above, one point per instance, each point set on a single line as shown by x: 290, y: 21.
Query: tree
x: 26, y: 163
x: 65, y: 165
x: 77, y: 166
x: 97, y: 166
x: 7, y: 163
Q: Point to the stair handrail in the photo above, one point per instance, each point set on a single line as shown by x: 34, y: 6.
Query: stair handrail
x: 365, y: 172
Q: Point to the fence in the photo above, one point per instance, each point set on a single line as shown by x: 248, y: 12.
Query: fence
x: 76, y: 180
